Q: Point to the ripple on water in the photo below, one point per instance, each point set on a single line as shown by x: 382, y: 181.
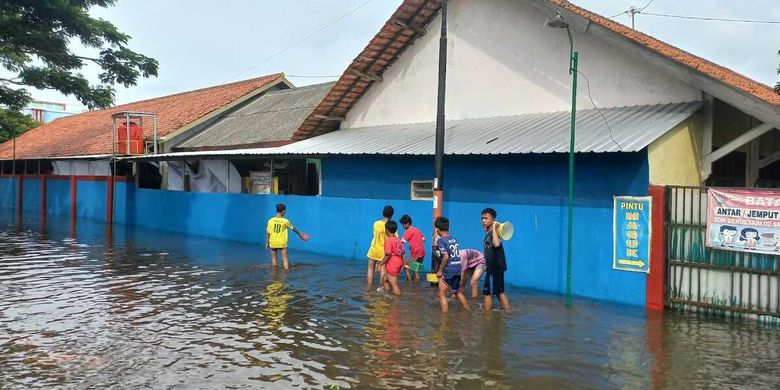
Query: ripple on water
x: 146, y: 310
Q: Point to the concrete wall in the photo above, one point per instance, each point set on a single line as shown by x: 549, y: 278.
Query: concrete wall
x: 527, y: 179
x: 7, y: 192
x: 503, y: 61
x: 525, y: 190
x: 674, y: 158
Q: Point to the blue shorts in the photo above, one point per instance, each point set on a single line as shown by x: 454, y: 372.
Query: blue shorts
x: 452, y: 281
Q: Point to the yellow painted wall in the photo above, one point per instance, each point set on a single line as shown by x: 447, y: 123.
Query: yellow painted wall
x: 675, y: 157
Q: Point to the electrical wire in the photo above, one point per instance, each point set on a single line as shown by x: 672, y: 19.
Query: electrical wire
x: 587, y: 84
x: 616, y: 15
x: 712, y: 19
x: 310, y: 76
x: 304, y: 39
x: 645, y: 7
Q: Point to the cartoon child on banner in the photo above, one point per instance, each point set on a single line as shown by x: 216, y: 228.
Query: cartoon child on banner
x: 750, y: 237
x: 727, y: 234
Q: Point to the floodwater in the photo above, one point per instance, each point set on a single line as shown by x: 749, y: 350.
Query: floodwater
x: 150, y: 309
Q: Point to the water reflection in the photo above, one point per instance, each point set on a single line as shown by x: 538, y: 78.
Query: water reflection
x: 141, y: 308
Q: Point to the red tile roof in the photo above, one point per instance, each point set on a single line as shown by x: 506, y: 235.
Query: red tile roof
x: 89, y: 133
x: 388, y: 44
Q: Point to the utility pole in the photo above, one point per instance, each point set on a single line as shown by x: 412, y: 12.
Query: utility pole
x: 633, y: 11
x: 438, y: 181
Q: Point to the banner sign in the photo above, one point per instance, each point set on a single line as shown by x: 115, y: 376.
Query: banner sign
x: 744, y: 220
x: 632, y: 227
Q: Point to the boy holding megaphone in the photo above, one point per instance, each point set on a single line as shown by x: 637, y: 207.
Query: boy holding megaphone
x: 495, y: 259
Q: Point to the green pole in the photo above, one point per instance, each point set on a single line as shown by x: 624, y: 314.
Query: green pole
x: 573, y: 71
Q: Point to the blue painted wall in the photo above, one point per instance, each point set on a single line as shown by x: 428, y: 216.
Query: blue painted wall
x: 31, y: 196
x: 7, y: 192
x: 58, y: 196
x: 530, y: 191
x: 527, y: 190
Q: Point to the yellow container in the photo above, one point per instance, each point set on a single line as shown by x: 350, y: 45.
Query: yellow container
x: 432, y: 278
x: 506, y: 230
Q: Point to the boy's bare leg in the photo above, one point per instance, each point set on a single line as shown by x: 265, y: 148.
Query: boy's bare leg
x: 385, y: 282
x: 285, y: 262
x: 488, y: 303
x: 462, y: 298
x: 504, y: 301
x: 370, y: 274
x: 393, y: 281
x: 274, y: 262
x: 443, y: 296
x: 475, y: 281
x: 408, y: 274
x: 463, y: 277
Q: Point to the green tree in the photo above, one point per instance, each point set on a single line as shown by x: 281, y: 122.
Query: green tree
x: 34, y: 49
x: 14, y: 123
x: 777, y: 86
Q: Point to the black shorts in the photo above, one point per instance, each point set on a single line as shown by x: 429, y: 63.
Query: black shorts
x: 496, y: 287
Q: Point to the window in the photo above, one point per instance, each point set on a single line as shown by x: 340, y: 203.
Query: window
x: 422, y: 189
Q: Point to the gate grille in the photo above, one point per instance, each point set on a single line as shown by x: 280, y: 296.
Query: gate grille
x: 712, y: 281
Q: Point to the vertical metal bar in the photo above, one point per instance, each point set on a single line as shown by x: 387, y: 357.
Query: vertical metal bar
x: 697, y: 230
x: 272, y: 177
x: 687, y: 242
x: 758, y: 287
x: 154, y: 124
x: 227, y: 163
x: 127, y: 130
x: 668, y: 274
x: 679, y: 237
x: 750, y: 286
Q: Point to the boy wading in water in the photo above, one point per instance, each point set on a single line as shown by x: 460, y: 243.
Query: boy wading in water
x: 449, y: 269
x: 376, y: 252
x: 276, y: 235
x: 495, y: 261
x: 393, y: 261
x: 415, y: 238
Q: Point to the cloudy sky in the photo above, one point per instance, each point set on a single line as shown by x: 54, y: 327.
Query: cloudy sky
x: 201, y: 43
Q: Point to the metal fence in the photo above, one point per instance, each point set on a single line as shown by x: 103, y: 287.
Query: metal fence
x: 711, y: 281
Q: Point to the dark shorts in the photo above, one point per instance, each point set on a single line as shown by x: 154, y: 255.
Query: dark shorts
x: 494, y: 284
x: 453, y: 281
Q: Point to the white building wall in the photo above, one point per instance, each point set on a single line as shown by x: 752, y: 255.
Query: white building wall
x: 502, y: 60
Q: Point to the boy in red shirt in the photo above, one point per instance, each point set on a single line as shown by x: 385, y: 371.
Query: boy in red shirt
x: 394, y: 258
x: 415, y: 238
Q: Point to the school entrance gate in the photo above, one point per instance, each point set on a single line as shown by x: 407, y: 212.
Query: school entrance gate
x: 711, y: 281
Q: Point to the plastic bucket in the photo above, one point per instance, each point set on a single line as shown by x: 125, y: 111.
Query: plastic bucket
x: 416, y: 266
x: 506, y: 230
x: 432, y: 278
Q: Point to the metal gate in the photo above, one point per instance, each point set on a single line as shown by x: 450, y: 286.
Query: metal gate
x: 711, y: 281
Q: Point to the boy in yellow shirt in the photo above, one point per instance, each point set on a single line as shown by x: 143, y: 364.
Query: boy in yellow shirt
x: 276, y: 235
x: 376, y: 252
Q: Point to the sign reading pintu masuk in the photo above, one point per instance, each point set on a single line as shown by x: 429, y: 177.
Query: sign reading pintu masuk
x: 631, y: 231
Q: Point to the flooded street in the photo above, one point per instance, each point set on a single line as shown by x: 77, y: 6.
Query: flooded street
x: 150, y: 309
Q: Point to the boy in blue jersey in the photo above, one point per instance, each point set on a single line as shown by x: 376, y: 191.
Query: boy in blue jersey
x: 449, y: 268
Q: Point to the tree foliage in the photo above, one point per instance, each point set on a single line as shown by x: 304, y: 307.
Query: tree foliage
x: 34, y: 48
x: 777, y: 86
x: 14, y: 123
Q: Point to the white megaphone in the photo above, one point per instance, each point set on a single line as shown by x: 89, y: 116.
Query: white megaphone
x: 505, y: 230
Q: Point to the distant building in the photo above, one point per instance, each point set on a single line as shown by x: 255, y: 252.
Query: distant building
x: 46, y: 112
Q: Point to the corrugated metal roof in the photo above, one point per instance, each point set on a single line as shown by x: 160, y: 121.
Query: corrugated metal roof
x: 274, y: 116
x: 620, y: 129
